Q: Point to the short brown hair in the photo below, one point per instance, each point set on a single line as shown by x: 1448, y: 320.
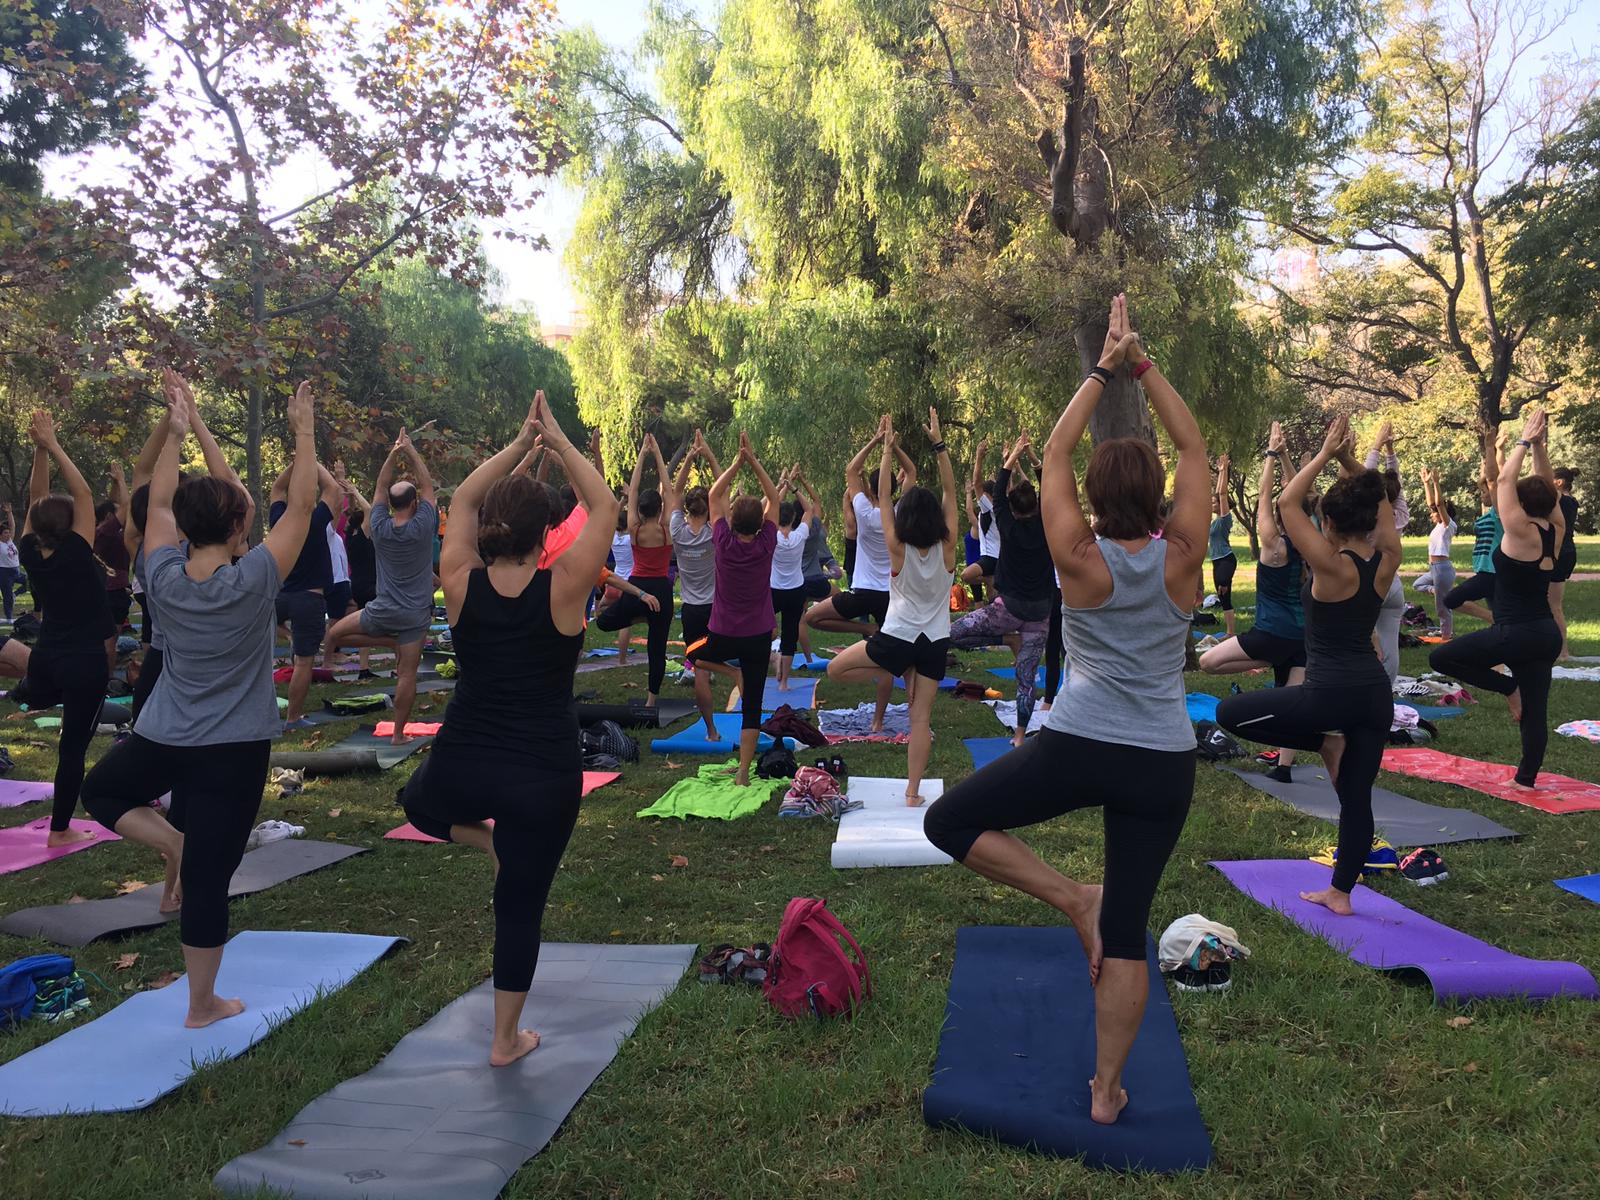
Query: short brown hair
x: 1125, y: 484
x: 513, y: 518
x: 1537, y: 495
x: 50, y: 519
x: 209, y: 511
x: 746, y: 515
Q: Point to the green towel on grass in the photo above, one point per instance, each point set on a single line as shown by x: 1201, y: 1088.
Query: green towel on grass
x: 712, y: 793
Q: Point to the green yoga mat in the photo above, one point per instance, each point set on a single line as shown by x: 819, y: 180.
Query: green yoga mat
x: 712, y: 793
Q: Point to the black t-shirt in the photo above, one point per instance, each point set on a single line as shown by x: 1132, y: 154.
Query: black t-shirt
x: 314, y: 568
x: 1569, y: 513
x: 69, y: 587
x: 363, y: 560
x: 1025, y: 571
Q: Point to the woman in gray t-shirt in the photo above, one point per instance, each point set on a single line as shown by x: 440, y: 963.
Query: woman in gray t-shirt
x: 1118, y: 737
x: 206, y: 731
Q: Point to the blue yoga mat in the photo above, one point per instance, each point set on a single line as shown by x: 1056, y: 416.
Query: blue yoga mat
x: 1017, y: 1053
x: 139, y: 1051
x: 801, y: 693
x: 948, y: 684
x: 693, y: 739
x: 1011, y: 673
x: 1587, y: 886
x: 985, y: 750
x: 1433, y: 712
x: 1202, y: 707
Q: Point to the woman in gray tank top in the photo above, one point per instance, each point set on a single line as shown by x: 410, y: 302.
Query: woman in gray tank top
x: 1118, y: 737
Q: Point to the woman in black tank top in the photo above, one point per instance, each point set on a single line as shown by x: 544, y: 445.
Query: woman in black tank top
x: 508, y: 752
x: 1344, y: 708
x: 1525, y: 635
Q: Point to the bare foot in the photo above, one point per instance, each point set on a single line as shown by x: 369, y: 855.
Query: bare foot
x: 503, y: 1055
x: 1332, y: 755
x: 1514, y: 703
x: 913, y: 799
x: 399, y: 739
x: 1086, y: 920
x: 1332, y: 899
x: 1018, y: 736
x: 69, y: 837
x: 1105, y: 1108
x: 741, y: 778
x: 712, y: 734
x: 209, y: 1014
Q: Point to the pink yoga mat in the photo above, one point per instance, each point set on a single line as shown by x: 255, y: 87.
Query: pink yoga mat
x: 14, y: 792
x: 1386, y: 935
x: 410, y: 833
x: 22, y: 846
x: 1555, y: 794
x: 413, y: 728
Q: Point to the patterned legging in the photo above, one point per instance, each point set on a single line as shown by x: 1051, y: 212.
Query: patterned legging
x: 988, y: 626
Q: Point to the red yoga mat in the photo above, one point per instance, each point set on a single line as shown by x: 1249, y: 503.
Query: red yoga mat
x: 1555, y: 794
x: 410, y: 833
x: 413, y: 728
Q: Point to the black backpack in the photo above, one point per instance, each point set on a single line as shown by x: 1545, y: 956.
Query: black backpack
x: 1214, y: 743
x: 777, y: 763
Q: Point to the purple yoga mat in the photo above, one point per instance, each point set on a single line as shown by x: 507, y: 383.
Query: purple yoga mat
x: 15, y: 792
x: 22, y: 846
x: 1385, y: 934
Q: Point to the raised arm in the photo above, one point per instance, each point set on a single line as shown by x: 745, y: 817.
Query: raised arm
x: 717, y: 497
x: 572, y: 575
x: 144, y: 466
x: 854, y: 480
x: 289, y: 534
x: 380, y: 490
x: 707, y: 453
x: 419, y: 469
x: 1191, y: 487
x: 768, y: 489
x: 977, y: 466
x: 633, y: 489
x: 1222, y: 486
x: 947, y: 481
x: 459, y: 556
x: 38, y: 483
x: 160, y: 525
x: 1512, y: 515
x: 908, y: 469
x: 1313, y: 547
x: 1268, y: 536
x: 44, y: 436
x: 897, y: 551
x: 595, y: 456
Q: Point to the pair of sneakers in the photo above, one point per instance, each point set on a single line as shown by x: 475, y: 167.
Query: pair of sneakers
x: 1208, y: 969
x: 1424, y: 867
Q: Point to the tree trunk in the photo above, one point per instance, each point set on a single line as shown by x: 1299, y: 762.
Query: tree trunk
x: 1122, y: 411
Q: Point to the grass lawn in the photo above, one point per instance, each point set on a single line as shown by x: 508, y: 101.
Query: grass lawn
x: 1316, y: 1077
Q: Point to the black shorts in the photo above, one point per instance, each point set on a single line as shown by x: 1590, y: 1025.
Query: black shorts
x: 988, y: 564
x: 338, y: 599
x: 1222, y: 570
x: 362, y: 596
x: 819, y: 588
x: 119, y: 600
x: 696, y: 624
x: 898, y: 656
x: 1281, y: 653
x: 724, y: 648
x: 306, y: 615
x: 1566, y: 564
x: 860, y: 602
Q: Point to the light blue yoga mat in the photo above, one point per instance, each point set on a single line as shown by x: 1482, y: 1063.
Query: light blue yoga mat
x: 985, y: 750
x: 1201, y: 706
x: 1587, y: 886
x: 801, y: 693
x: 693, y: 739
x: 139, y: 1051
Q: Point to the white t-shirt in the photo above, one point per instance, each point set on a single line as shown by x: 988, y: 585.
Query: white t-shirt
x: 788, y: 558
x: 337, y: 558
x: 872, y: 555
x: 8, y: 555
x: 988, y: 539
x: 622, y: 553
x: 1439, y: 539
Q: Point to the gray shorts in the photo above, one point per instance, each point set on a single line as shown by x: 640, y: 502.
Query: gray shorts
x: 403, y: 625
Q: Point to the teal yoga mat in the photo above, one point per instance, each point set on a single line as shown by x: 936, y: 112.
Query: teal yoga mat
x: 693, y: 739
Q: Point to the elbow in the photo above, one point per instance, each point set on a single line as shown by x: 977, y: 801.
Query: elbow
x: 605, y: 510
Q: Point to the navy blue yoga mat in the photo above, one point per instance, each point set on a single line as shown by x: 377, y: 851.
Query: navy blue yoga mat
x: 985, y: 750
x: 1017, y: 1053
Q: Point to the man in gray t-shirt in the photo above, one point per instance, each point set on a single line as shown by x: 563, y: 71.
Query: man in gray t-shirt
x: 402, y: 524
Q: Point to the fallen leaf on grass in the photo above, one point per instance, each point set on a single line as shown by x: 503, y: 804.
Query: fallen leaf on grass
x: 1471, y: 1068
x: 679, y: 860
x: 658, y: 878
x: 128, y: 886
x: 124, y: 961
x: 1459, y: 1022
x: 672, y: 766
x: 768, y: 849
x: 161, y: 981
x: 336, y: 812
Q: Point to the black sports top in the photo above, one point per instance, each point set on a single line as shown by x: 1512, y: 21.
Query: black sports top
x: 69, y: 587
x: 363, y: 560
x: 1569, y: 513
x: 1339, y: 650
x: 513, y: 699
x: 1522, y: 588
x: 1026, y: 571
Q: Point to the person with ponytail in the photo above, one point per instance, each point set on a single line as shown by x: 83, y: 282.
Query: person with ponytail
x: 68, y: 663
x: 506, y: 772
x: 1344, y: 708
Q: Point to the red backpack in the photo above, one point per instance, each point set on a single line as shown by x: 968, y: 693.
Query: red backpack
x: 811, y: 971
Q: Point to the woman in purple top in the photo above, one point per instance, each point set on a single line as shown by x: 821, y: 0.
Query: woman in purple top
x: 741, y: 612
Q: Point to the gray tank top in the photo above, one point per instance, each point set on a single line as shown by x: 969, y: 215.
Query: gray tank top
x: 1125, y: 683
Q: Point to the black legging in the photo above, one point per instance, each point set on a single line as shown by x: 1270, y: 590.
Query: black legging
x: 630, y: 610
x: 1529, y: 649
x: 789, y: 604
x: 533, y: 810
x: 147, y: 628
x: 1297, y: 718
x: 1145, y: 796
x: 696, y: 624
x: 76, y: 680
x: 1222, y: 570
x: 753, y: 653
x: 149, y: 672
x: 1479, y: 587
x: 216, y: 794
x: 1054, y: 648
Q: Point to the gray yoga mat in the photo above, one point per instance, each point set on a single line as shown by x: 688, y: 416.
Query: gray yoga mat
x: 434, y: 1119
x: 388, y: 753
x: 1404, y: 821
x: 80, y: 924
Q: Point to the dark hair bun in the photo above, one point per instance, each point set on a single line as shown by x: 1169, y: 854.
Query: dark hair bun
x: 1351, y: 504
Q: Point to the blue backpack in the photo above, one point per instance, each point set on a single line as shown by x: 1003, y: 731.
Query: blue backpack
x: 19, y: 985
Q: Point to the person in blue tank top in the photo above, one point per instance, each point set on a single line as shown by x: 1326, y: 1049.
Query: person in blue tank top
x: 1278, y: 639
x: 1344, y: 708
x: 1118, y: 737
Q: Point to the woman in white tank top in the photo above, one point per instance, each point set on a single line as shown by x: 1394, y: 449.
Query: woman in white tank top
x: 914, y: 639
